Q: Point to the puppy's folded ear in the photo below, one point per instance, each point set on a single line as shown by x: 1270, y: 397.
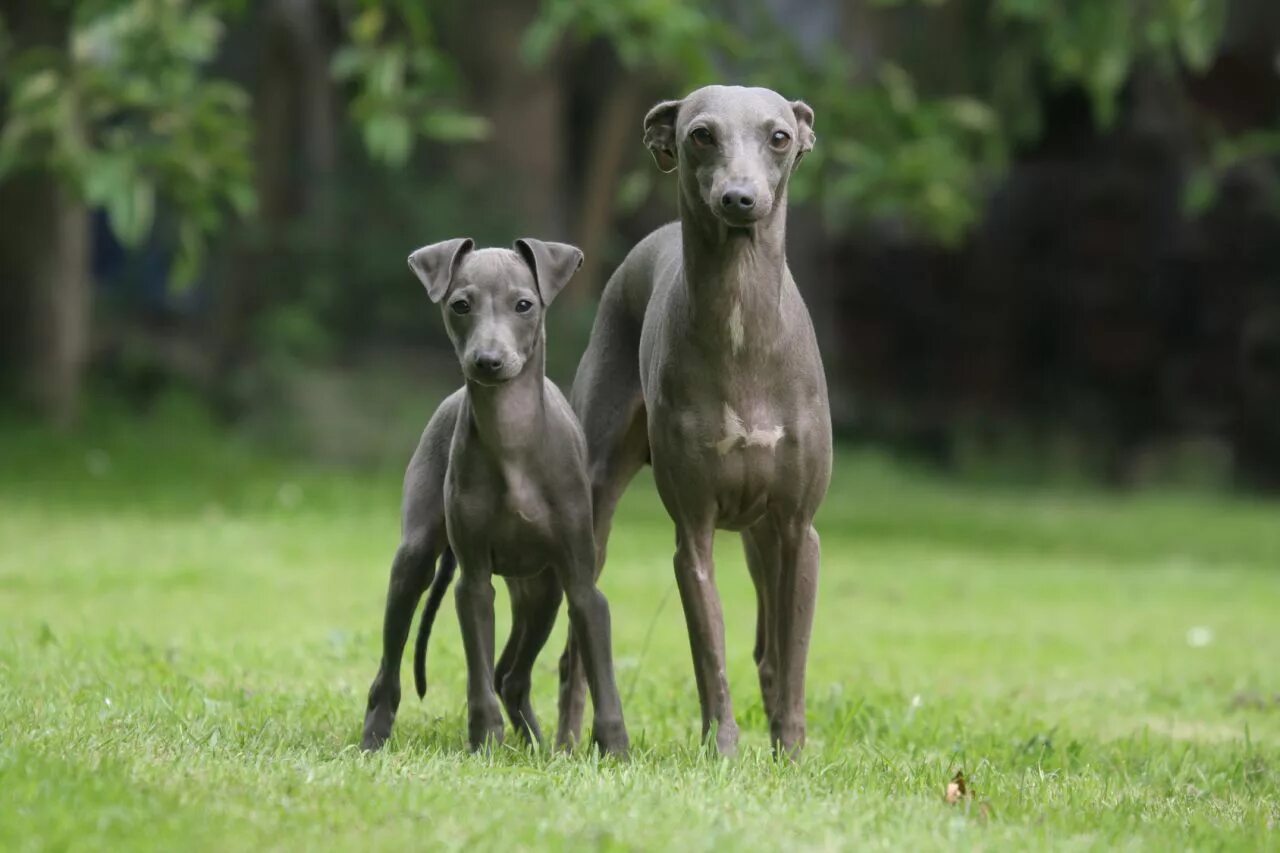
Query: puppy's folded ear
x: 436, y: 264
x: 553, y: 264
x: 805, y: 137
x: 660, y: 134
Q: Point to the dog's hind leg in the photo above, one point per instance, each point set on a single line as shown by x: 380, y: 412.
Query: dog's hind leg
x: 422, y: 541
x: 411, y: 571
x: 534, y: 604
x: 760, y: 543
x: 609, y: 403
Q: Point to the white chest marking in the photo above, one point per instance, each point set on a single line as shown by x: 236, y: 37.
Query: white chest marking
x: 736, y: 331
x: 738, y: 434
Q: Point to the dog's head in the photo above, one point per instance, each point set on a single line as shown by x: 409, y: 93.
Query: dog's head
x: 735, y: 147
x: 494, y: 299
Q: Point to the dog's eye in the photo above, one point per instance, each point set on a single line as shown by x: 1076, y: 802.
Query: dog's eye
x: 460, y: 306
x: 701, y: 136
x: 780, y: 140
x: 524, y: 306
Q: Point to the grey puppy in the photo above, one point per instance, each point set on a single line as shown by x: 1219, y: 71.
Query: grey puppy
x: 501, y: 467
x: 703, y: 362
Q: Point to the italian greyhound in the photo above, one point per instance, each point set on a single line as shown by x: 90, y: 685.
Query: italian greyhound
x: 703, y: 363
x: 499, y: 479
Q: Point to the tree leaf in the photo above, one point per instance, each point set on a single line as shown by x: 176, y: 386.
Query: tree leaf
x: 131, y: 211
x: 453, y: 126
x: 387, y: 138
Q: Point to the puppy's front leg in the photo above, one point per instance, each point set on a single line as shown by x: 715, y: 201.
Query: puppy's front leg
x: 474, y: 598
x: 589, y: 618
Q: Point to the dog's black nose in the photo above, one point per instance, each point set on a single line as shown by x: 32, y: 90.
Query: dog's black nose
x: 488, y: 362
x: 737, y: 199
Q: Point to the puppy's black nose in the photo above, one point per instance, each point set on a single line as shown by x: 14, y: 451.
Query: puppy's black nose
x: 489, y: 362
x: 737, y: 199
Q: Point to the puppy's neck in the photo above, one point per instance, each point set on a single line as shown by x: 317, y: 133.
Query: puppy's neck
x: 510, y: 416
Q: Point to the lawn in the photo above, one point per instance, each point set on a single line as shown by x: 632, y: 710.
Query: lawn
x: 188, y: 629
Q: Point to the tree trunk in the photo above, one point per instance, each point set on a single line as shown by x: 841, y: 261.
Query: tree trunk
x: 523, y: 157
x: 294, y: 115
x: 44, y: 257
x: 44, y: 263
x: 616, y: 133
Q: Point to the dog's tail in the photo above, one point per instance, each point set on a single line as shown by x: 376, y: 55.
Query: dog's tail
x: 448, y: 565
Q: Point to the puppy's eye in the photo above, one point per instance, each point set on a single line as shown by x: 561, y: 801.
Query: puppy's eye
x: 524, y: 306
x: 701, y: 137
x: 460, y: 306
x: 780, y: 140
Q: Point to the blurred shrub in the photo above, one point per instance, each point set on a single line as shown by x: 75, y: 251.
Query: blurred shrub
x: 892, y: 150
x: 127, y: 118
x: 399, y: 78
x: 127, y: 114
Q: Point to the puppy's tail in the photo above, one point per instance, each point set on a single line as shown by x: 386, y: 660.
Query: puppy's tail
x: 448, y: 565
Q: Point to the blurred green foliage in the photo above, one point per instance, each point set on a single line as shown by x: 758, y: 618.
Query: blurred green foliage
x: 398, y: 77
x: 125, y: 115
x: 1094, y: 44
x: 128, y: 115
x: 679, y: 39
x: 890, y: 150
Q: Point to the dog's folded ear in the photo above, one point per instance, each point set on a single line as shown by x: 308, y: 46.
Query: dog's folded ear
x: 660, y: 134
x: 436, y: 264
x: 553, y: 264
x: 805, y: 137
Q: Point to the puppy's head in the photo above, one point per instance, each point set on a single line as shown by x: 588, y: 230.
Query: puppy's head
x: 735, y: 147
x: 494, y: 299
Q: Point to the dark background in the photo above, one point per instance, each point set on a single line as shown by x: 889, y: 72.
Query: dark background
x: 1039, y: 238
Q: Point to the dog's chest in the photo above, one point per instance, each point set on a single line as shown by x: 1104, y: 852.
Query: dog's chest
x: 730, y: 449
x: 507, y: 515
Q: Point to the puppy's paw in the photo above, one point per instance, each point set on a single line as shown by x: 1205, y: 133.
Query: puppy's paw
x: 611, y: 738
x: 377, y: 728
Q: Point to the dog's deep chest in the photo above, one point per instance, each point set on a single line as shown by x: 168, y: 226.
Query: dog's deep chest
x: 735, y: 444
x: 736, y: 399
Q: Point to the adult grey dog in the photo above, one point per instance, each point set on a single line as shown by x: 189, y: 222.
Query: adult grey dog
x: 502, y: 468
x: 703, y: 362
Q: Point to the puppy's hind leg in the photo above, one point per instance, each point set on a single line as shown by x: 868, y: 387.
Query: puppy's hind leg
x: 422, y: 542
x: 534, y: 604
x: 410, y: 573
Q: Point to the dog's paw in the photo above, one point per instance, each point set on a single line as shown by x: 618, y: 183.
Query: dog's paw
x: 611, y: 738
x: 377, y: 728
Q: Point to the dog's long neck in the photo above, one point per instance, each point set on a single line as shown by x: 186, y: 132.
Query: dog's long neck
x: 510, y: 416
x: 734, y: 276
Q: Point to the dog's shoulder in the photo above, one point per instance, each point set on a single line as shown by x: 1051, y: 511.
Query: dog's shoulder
x: 563, y: 419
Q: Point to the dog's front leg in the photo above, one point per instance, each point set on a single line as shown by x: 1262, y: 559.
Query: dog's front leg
x: 695, y: 576
x: 797, y: 593
x: 593, y: 641
x: 474, y: 598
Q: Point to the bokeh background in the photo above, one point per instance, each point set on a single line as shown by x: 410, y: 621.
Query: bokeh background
x: 1038, y: 237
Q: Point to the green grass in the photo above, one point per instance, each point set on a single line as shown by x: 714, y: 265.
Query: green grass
x: 187, y: 631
